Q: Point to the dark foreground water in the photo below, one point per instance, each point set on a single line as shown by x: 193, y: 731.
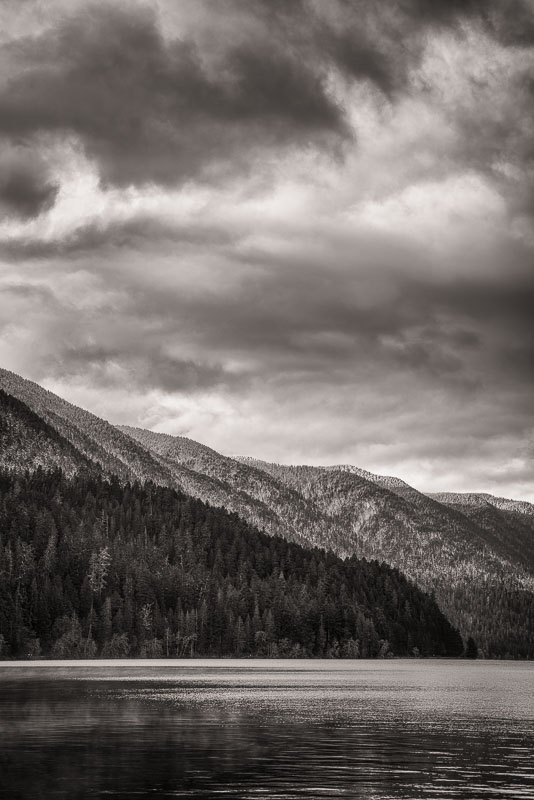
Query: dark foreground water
x: 258, y: 729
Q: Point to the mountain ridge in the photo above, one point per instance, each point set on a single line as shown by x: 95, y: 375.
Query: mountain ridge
x: 442, y: 549
x: 446, y: 544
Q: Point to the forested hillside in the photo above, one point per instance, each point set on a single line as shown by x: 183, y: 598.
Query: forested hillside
x: 28, y: 442
x: 476, y: 554
x: 95, y: 567
x: 260, y: 498
x: 198, y: 470
x: 483, y: 579
x: 508, y: 524
x: 483, y: 582
x: 94, y: 438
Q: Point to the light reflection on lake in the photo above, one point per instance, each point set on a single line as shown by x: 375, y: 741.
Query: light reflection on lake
x: 267, y: 729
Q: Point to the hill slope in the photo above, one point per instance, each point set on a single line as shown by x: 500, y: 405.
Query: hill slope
x: 104, y: 568
x: 91, y: 436
x: 123, y: 453
x: 258, y: 497
x: 118, y: 453
x: 482, y: 574
x: 27, y: 442
x: 352, y: 511
x: 508, y: 524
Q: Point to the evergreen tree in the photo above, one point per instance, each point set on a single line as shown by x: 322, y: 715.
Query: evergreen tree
x: 471, y: 649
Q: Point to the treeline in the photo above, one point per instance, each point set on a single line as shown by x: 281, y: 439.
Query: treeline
x: 90, y: 567
x: 501, y: 616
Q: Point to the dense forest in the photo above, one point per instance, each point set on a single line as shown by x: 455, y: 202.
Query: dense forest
x: 92, y: 567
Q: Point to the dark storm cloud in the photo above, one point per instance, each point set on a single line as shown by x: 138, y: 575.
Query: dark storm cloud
x: 147, y: 109
x: 383, y: 44
x: 350, y: 43
x: 279, y: 324
x: 360, y: 58
x: 445, y: 11
x: 144, y: 363
x: 151, y: 109
x: 128, y: 347
x: 509, y: 21
x: 109, y: 237
x: 41, y: 294
x: 277, y: 300
x: 25, y: 187
x: 512, y: 21
x: 496, y: 129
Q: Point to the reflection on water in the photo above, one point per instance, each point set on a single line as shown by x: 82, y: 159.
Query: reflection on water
x: 286, y: 729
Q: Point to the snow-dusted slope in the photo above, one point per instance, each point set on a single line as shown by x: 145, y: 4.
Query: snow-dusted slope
x: 95, y: 438
x: 483, y: 575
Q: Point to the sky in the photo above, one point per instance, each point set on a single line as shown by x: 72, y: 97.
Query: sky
x: 297, y: 230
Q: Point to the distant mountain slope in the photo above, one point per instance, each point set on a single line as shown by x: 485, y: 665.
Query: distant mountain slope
x: 361, y: 500
x: 472, y: 499
x: 483, y: 577
x: 352, y: 511
x: 508, y: 524
x: 256, y: 496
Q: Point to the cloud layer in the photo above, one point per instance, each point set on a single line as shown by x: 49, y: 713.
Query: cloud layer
x: 301, y: 231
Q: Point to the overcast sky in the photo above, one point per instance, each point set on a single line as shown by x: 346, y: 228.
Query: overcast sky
x: 298, y: 230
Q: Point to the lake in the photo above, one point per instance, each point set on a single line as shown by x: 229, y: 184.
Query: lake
x: 267, y: 729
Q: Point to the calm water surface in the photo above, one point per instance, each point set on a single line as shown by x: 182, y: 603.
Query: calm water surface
x: 267, y: 729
